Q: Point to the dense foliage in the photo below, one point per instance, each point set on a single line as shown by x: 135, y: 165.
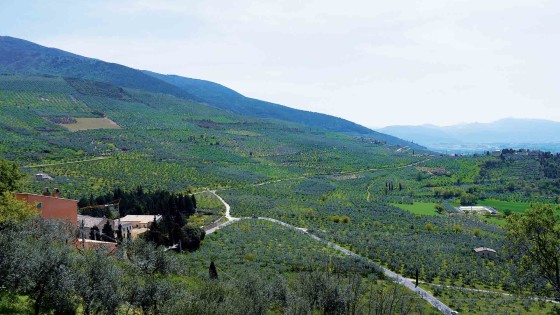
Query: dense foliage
x: 143, y: 279
x: 139, y: 201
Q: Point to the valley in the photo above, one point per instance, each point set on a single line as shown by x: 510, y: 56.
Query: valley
x: 284, y: 211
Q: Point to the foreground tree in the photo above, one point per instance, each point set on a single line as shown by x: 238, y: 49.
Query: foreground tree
x: 535, y: 236
x: 9, y: 176
x: 36, y: 261
x: 13, y: 210
x: 98, y: 281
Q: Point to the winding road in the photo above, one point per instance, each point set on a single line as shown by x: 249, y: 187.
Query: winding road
x: 427, y: 296
x: 388, y: 273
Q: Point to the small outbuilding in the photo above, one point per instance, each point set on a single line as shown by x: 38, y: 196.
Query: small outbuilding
x: 485, y: 252
x: 43, y: 176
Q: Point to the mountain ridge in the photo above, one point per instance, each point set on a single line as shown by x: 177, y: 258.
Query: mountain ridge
x: 509, y: 131
x: 19, y: 56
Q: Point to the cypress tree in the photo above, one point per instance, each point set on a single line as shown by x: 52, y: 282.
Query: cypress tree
x: 94, y: 233
x: 120, y: 234
x: 212, y: 272
x: 108, y: 233
x: 193, y: 201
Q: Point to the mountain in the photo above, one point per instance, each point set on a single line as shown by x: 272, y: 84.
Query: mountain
x: 18, y: 56
x: 509, y: 132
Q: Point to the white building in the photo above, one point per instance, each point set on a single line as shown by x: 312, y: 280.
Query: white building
x: 125, y: 226
x: 140, y: 221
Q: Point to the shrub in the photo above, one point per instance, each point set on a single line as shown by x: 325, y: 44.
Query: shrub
x: 249, y: 257
x: 339, y: 219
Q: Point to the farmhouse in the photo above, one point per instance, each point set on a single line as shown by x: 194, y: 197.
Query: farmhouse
x: 140, y: 221
x: 53, y: 207
x: 485, y: 252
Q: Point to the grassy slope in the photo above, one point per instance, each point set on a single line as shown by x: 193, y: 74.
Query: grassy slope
x: 24, y: 57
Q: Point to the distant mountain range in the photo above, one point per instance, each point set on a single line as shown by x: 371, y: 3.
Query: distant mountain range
x: 505, y: 133
x: 19, y: 56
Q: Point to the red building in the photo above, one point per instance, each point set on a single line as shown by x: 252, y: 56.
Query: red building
x: 53, y: 207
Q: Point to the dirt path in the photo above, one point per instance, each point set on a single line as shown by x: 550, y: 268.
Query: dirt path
x: 70, y: 162
x: 226, y: 220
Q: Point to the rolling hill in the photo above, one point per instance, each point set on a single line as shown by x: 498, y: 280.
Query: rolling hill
x: 18, y: 56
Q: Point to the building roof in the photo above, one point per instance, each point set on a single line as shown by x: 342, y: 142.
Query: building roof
x: 483, y: 249
x: 141, y: 218
x: 43, y: 196
x: 90, y: 222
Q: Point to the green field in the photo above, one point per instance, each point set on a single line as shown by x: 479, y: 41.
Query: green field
x: 422, y: 208
x: 501, y: 205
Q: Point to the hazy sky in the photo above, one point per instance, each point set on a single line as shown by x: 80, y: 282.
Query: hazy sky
x: 373, y: 62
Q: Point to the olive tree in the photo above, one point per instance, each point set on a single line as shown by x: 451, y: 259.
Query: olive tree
x: 36, y: 260
x: 98, y: 283
x: 535, y: 237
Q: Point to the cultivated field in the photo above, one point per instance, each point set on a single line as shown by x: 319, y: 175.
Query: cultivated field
x: 91, y: 123
x: 422, y: 208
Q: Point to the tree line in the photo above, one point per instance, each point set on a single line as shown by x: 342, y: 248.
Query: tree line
x: 139, y: 201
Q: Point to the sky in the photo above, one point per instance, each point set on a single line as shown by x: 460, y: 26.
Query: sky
x: 377, y: 63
